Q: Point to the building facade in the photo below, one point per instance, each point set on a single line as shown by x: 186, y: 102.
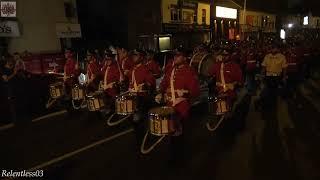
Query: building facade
x: 188, y: 21
x: 43, y: 26
x: 253, y: 21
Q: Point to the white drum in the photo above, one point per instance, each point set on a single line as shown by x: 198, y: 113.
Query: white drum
x: 56, y: 90
x: 126, y: 104
x: 95, y: 101
x: 78, y: 92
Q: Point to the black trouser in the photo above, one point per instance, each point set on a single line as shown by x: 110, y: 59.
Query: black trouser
x: 177, y: 150
x: 269, y: 93
x: 292, y: 82
x: 140, y: 119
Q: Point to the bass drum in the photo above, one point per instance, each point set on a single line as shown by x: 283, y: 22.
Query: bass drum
x: 202, y: 62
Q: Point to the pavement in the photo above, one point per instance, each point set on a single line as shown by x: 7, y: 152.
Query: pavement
x: 278, y: 143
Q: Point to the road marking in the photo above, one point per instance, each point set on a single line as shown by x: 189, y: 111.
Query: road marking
x: 5, y: 127
x: 49, y: 115
x: 11, y: 125
x: 68, y: 155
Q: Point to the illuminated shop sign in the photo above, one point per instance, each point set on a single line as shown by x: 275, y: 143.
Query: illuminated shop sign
x: 223, y: 12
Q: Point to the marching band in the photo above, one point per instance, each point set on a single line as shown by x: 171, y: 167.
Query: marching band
x: 125, y: 84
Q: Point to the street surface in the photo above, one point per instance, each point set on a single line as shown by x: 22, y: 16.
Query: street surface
x: 279, y: 143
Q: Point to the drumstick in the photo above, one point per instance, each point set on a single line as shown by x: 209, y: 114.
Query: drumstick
x: 121, y: 73
x: 124, y: 93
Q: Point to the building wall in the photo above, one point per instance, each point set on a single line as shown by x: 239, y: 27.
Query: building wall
x: 166, y: 11
x: 37, y: 20
x: 207, y: 8
x: 255, y: 18
x: 166, y: 14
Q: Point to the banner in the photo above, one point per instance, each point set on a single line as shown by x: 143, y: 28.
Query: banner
x: 65, y: 30
x: 8, y: 9
x: 9, y: 29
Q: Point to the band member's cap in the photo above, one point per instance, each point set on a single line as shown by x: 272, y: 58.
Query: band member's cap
x: 138, y: 52
x: 150, y: 52
x: 181, y: 51
x: 225, y: 52
x: 108, y: 53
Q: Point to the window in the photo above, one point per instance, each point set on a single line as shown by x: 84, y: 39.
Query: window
x: 204, y: 16
x: 174, y: 15
x: 188, y: 16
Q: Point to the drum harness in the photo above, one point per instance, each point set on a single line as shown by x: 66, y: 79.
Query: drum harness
x: 175, y: 101
x: 224, y: 85
x: 51, y: 101
x: 136, y: 88
x: 109, y: 123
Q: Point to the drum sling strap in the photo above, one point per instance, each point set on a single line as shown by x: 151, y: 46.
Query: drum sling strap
x: 133, y: 79
x: 106, y: 85
x: 223, y: 82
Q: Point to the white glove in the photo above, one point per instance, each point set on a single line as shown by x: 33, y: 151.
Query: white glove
x: 5, y: 77
x: 180, y: 93
x: 158, y: 98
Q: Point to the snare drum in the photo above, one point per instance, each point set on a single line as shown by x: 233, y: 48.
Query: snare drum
x: 95, y: 101
x: 162, y: 121
x: 77, y: 92
x: 101, y: 84
x: 219, y: 105
x: 126, y: 104
x: 56, y: 90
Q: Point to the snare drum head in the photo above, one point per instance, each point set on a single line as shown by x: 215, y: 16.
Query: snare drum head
x: 165, y: 110
x: 56, y: 84
x: 206, y: 61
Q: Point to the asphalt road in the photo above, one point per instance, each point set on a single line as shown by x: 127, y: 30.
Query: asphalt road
x: 278, y: 143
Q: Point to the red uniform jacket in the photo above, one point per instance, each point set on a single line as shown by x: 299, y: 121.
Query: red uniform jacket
x: 110, y: 76
x: 249, y: 61
x: 185, y: 79
x: 142, y: 76
x: 92, y: 70
x: 169, y: 65
x: 292, y: 61
x: 126, y: 64
x: 70, y: 67
x: 154, y: 68
x: 232, y: 73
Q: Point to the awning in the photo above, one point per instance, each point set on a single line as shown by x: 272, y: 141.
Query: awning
x: 9, y: 29
x: 68, y: 30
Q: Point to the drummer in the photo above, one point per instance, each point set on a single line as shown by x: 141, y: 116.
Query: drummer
x: 92, y: 72
x: 142, y: 83
x: 70, y: 71
x: 111, y: 75
x: 179, y: 85
x: 227, y: 75
x: 152, y: 65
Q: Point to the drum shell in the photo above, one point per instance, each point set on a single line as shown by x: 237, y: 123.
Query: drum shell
x: 202, y: 62
x: 78, y: 92
x: 218, y: 106
x: 56, y: 90
x: 95, y: 102
x: 126, y: 105
x: 161, y: 124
